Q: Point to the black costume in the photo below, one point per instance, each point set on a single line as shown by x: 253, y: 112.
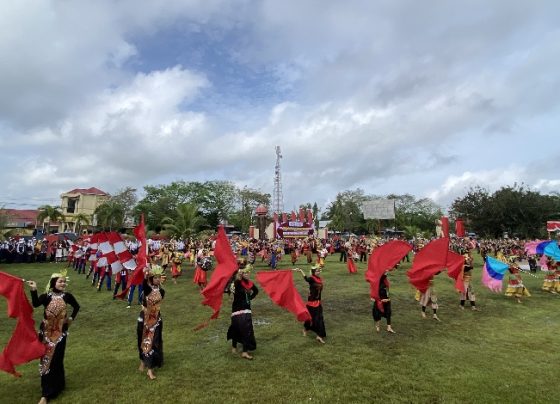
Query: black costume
x: 150, y: 327
x: 53, y: 333
x: 314, y: 306
x: 385, y: 302
x: 241, y: 328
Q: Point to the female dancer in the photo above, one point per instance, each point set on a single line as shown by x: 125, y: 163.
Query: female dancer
x: 515, y: 286
x: 200, y: 273
x: 176, y: 261
x: 385, y: 303
x: 317, y: 323
x: 241, y: 328
x: 53, y: 333
x: 429, y: 298
x: 150, y: 323
x: 468, y: 294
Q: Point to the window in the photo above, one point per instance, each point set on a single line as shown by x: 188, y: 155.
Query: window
x: 72, y: 204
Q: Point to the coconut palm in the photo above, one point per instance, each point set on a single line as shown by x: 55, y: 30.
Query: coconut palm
x: 110, y: 215
x: 49, y: 213
x: 79, y: 219
x: 186, y: 223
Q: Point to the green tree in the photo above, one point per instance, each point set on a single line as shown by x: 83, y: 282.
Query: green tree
x: 345, y: 213
x: 186, y: 222
x: 110, y: 215
x: 79, y: 220
x: 4, y: 219
x: 516, y: 209
x: 247, y: 201
x: 415, y: 213
x: 48, y: 214
x: 127, y: 198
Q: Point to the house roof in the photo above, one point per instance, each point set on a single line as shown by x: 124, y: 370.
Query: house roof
x: 26, y: 215
x: 88, y: 191
x: 20, y: 217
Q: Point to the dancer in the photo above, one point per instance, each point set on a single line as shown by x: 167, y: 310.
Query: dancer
x: 515, y: 286
x: 385, y: 303
x: 53, y: 333
x: 241, y: 328
x: 317, y: 323
x: 468, y: 293
x: 429, y: 297
x: 150, y: 323
x: 203, y: 264
x: 176, y: 261
x: 550, y: 278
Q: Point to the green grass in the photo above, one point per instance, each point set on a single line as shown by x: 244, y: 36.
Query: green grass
x: 508, y: 352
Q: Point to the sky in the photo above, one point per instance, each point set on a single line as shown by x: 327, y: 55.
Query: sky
x: 426, y: 98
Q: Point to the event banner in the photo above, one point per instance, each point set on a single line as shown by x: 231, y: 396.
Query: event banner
x: 553, y: 225
x: 379, y: 208
x: 294, y: 229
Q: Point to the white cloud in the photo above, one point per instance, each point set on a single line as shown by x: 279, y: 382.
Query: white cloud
x: 388, y: 96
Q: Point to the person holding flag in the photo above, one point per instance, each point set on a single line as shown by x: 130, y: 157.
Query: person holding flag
x: 241, y: 328
x: 382, y: 308
x: 53, y: 333
x: 317, y: 323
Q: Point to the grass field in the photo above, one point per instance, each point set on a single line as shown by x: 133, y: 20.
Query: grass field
x: 507, y: 352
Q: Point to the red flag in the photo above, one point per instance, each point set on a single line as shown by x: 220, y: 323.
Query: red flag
x: 455, y: 264
x: 141, y: 259
x: 434, y: 258
x: 382, y: 259
x: 351, y: 266
x: 226, y: 267
x: 428, y: 262
x: 24, y: 345
x: 445, y: 226
x: 460, y: 228
x: 279, y: 285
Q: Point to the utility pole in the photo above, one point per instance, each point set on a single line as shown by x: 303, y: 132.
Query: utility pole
x: 278, y: 198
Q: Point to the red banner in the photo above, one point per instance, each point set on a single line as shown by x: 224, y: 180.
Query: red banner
x: 553, y: 225
x: 459, y: 228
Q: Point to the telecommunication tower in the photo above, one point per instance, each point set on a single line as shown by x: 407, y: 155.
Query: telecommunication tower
x: 278, y: 198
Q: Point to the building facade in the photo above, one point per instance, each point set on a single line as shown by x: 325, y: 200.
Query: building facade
x: 80, y: 202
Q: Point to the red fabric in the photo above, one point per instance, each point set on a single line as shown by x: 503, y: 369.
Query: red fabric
x: 445, y: 226
x: 455, y: 264
x: 24, y: 345
x: 460, y: 228
x: 427, y: 263
x: 141, y: 259
x: 279, y: 285
x: 382, y: 259
x: 247, y: 284
x: 351, y: 266
x: 293, y: 216
x: 226, y: 267
x: 200, y: 277
x: 434, y: 258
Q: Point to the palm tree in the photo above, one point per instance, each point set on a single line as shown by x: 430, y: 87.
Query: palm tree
x: 49, y: 213
x: 110, y: 215
x: 78, y: 220
x: 186, y: 223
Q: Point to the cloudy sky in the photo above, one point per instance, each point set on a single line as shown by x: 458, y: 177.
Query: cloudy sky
x: 417, y: 97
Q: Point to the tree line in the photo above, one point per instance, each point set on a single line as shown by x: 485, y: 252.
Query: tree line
x: 186, y: 208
